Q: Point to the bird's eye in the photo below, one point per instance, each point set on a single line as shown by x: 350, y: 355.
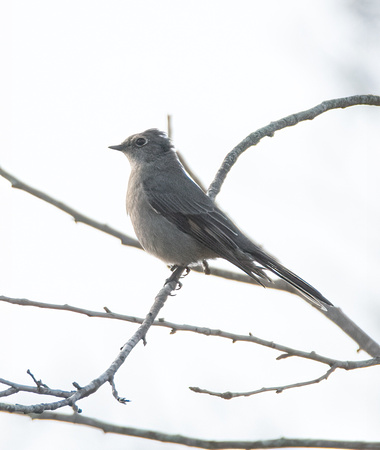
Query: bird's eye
x: 141, y: 142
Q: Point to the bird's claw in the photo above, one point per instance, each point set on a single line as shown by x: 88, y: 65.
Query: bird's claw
x: 206, y: 267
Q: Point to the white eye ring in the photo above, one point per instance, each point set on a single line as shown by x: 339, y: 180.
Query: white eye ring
x: 140, y: 142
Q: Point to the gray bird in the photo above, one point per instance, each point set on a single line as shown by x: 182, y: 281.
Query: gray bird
x: 177, y: 222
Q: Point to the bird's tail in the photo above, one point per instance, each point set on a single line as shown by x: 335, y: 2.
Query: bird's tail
x: 269, y: 263
x: 301, y: 285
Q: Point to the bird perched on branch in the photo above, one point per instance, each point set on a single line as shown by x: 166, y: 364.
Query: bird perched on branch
x: 177, y: 222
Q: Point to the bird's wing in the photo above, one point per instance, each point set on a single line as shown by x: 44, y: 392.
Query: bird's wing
x: 194, y: 213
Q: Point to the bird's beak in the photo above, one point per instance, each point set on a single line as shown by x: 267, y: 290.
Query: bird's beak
x: 117, y: 147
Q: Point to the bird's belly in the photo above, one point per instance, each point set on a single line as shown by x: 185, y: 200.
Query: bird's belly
x: 168, y: 243
x: 161, y: 238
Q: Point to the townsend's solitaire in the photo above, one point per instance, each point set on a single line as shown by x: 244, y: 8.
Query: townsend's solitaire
x: 177, y: 222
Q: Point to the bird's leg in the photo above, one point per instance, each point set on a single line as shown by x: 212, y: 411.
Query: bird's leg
x: 177, y: 270
x: 206, y: 267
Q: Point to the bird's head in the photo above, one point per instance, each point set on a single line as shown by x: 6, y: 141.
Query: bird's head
x: 148, y: 146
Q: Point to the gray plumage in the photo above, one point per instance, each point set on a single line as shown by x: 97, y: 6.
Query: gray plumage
x: 177, y: 222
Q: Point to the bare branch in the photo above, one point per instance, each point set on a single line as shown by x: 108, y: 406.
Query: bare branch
x: 39, y: 383
x: 77, y: 216
x: 365, y: 342
x: 190, y: 171
x: 181, y: 157
x: 15, y: 387
x: 79, y: 419
x: 289, y: 121
x: 115, y: 393
x: 286, y: 351
x: 109, y: 374
x: 169, y: 126
x: 278, y: 389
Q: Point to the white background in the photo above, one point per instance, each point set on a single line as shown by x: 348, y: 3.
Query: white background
x: 83, y: 75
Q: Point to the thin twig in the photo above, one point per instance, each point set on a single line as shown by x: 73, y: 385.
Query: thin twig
x: 181, y: 157
x: 278, y: 389
x: 115, y: 393
x: 39, y: 383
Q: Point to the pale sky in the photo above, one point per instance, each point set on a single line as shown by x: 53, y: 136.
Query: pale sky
x: 81, y: 76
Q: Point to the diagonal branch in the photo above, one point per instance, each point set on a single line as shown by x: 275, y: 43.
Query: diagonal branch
x: 77, y: 216
x: 79, y: 419
x: 289, y: 121
x: 108, y: 375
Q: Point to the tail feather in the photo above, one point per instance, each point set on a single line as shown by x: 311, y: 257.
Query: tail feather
x: 281, y: 271
x: 300, y: 284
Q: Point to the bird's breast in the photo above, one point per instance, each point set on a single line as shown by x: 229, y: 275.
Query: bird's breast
x: 157, y: 235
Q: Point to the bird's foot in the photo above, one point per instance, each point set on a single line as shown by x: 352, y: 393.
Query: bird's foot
x: 174, y: 276
x: 206, y: 267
